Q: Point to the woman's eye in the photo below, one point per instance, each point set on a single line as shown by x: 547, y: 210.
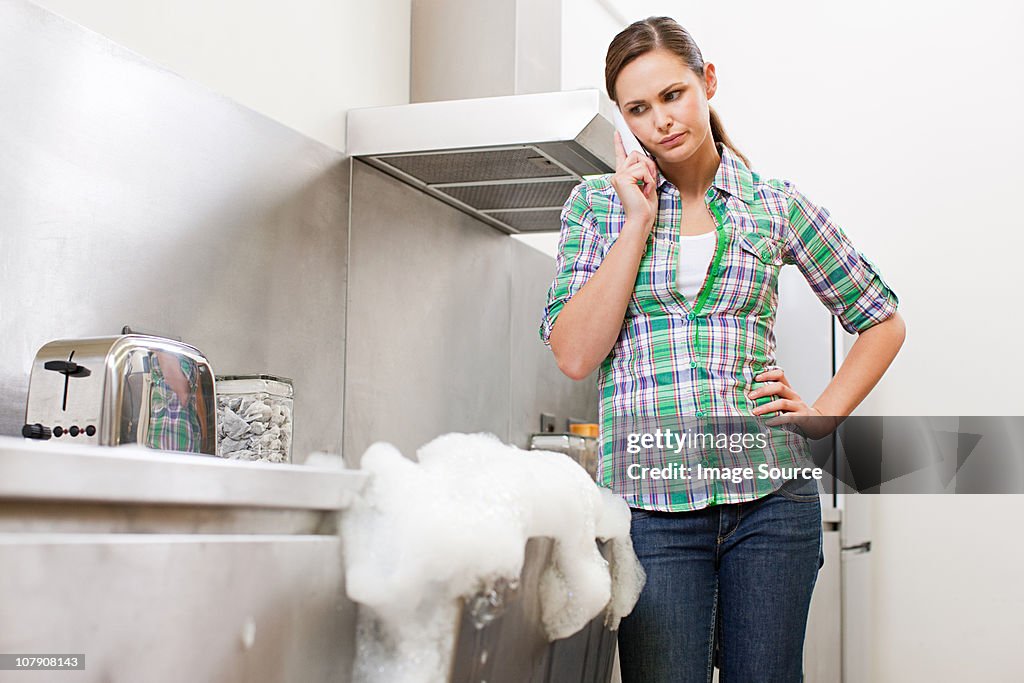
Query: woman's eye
x: 672, y: 95
x: 637, y: 110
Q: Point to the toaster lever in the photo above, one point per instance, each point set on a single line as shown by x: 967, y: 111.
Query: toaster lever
x: 67, y: 367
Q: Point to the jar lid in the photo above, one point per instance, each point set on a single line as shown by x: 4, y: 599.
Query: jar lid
x: 585, y: 429
x: 273, y: 378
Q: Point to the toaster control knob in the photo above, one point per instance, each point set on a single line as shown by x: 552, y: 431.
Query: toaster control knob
x: 90, y: 430
x: 36, y: 431
x: 58, y: 431
x: 74, y: 431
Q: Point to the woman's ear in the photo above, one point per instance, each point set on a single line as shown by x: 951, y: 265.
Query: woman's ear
x: 710, y: 80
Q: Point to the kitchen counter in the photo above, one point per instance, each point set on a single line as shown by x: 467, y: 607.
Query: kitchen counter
x: 163, y: 566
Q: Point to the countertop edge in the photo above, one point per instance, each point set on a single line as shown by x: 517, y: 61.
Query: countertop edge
x: 66, y: 472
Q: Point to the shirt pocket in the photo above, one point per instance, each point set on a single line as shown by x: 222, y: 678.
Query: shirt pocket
x: 768, y: 250
x: 752, y: 274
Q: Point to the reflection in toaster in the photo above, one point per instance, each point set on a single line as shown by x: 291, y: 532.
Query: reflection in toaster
x: 173, y: 416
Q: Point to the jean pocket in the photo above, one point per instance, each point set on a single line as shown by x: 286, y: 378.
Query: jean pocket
x: 800, y: 490
x: 636, y: 514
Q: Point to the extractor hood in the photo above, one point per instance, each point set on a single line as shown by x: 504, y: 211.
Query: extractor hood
x: 495, y: 129
x: 509, y: 161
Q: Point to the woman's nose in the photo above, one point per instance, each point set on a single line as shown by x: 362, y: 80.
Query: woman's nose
x: 663, y: 122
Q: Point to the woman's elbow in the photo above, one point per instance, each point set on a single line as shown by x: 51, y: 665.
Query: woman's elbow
x: 570, y: 364
x: 572, y: 368
x: 569, y: 361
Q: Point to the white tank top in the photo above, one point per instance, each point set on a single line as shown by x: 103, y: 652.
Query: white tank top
x: 695, y: 253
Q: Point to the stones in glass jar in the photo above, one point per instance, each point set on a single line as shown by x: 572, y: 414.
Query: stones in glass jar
x: 255, y: 427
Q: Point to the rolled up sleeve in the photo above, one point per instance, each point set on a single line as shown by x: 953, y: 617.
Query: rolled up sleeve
x: 842, y: 278
x: 581, y: 249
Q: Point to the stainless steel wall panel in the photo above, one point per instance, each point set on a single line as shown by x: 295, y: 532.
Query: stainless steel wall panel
x: 428, y: 319
x: 129, y: 195
x: 537, y: 383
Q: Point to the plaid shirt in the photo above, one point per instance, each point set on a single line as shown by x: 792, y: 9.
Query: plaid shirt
x: 677, y: 358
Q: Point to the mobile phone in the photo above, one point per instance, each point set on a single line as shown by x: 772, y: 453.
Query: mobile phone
x: 629, y: 141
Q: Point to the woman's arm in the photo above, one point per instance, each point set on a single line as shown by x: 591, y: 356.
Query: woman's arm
x: 591, y: 320
x: 869, y: 358
x: 586, y: 329
x: 850, y: 287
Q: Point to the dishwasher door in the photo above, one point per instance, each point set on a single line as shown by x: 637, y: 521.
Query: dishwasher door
x: 513, y: 647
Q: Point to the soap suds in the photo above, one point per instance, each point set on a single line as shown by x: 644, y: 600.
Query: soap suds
x: 424, y: 534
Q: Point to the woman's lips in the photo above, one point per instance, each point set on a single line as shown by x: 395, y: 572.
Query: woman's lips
x: 673, y: 140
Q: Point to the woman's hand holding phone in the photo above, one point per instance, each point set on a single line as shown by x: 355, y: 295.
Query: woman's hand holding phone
x: 639, y: 201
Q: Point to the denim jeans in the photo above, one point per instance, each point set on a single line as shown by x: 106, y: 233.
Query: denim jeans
x: 727, y: 585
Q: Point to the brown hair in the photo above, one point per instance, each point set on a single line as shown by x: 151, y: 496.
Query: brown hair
x: 652, y: 33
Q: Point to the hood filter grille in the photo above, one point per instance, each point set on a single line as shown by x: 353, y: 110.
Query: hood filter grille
x: 457, y: 166
x: 512, y: 195
x: 516, y: 189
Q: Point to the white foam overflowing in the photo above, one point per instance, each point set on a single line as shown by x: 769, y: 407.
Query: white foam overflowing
x: 424, y: 534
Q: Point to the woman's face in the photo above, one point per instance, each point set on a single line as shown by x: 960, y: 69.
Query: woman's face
x: 666, y: 104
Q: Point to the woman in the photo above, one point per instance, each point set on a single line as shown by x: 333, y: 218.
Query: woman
x: 666, y: 282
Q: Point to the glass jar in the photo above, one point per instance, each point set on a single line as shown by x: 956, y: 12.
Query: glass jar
x: 254, y: 417
x: 582, y: 449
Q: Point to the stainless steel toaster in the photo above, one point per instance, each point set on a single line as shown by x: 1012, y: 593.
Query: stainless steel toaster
x: 128, y: 389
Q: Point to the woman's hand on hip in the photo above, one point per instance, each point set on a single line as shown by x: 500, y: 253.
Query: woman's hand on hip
x: 792, y: 409
x: 634, y: 182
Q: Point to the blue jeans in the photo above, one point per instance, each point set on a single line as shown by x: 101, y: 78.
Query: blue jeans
x: 734, y: 578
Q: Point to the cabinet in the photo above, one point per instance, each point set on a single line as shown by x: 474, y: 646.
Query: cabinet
x: 166, y: 567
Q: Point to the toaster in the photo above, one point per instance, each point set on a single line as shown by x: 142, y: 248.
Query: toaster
x: 128, y: 389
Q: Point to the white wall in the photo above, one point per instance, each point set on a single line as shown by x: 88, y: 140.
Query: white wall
x: 302, y: 63
x: 902, y: 119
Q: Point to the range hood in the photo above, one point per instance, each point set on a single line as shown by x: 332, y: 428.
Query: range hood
x: 510, y: 161
x: 495, y: 128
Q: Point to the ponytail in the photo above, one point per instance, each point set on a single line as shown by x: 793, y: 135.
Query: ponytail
x: 719, y: 134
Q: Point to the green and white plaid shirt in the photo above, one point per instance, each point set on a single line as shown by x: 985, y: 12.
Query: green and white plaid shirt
x: 678, y: 360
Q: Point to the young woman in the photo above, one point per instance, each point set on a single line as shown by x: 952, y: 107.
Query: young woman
x: 666, y: 283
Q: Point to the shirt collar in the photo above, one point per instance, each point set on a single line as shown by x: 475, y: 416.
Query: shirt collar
x: 733, y: 176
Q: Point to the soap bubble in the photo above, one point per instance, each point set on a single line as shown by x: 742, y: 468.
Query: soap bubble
x: 452, y: 526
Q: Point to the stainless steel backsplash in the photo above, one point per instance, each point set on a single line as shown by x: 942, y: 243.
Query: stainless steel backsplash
x: 129, y: 195
x: 442, y: 325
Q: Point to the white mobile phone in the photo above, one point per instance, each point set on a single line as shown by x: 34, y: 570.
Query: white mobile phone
x: 629, y: 141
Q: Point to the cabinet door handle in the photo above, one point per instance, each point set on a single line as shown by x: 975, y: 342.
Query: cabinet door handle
x: 864, y: 547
